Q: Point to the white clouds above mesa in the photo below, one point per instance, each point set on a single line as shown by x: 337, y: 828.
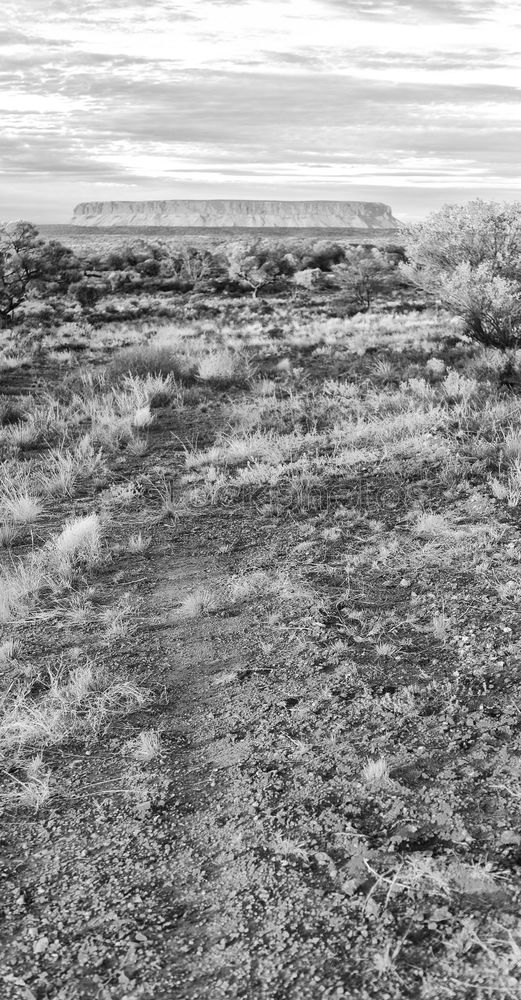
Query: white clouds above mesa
x: 420, y: 11
x: 400, y: 101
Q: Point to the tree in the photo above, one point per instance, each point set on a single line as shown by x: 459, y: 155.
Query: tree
x: 19, y: 246
x: 363, y: 274
x: 323, y: 254
x: 248, y: 266
x: 199, y: 267
x: 260, y: 264
x: 469, y: 258
x: 55, y: 268
x: 30, y: 264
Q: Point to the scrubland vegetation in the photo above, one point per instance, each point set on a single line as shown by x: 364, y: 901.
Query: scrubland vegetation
x: 260, y: 659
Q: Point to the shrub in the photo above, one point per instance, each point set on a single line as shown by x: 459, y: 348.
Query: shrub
x: 323, y: 255
x: 89, y: 292
x: 363, y: 274
x: 469, y: 258
x: 259, y: 265
x: 309, y: 278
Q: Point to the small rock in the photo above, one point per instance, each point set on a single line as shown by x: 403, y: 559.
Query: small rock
x: 41, y: 945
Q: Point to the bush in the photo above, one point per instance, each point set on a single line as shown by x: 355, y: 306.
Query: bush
x: 469, y: 258
x: 363, y: 274
x: 323, y: 255
x: 259, y: 265
x: 89, y: 292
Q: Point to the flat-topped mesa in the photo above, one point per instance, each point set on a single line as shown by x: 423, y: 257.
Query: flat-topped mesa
x: 232, y: 213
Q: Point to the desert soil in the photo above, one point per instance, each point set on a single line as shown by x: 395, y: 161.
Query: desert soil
x: 247, y: 859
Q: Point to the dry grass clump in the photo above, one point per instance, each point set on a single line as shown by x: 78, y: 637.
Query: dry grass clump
x: 224, y: 367
x: 138, y: 542
x: 269, y: 448
x: 459, y: 388
x: 142, y: 417
x: 111, y: 420
x: 383, y: 370
x: 118, y: 620
x: 153, y: 390
x: 18, y: 584
x: 117, y: 414
x: 432, y: 525
x: 119, y: 495
x: 42, y: 423
x: 146, y: 746
x: 11, y: 412
x: 376, y: 772
x: 76, y: 702
x: 23, y: 435
x: 76, y: 547
x: 19, y: 507
x: 512, y: 444
x: 62, y: 469
x: 78, y: 544
x: 436, y: 367
x: 11, y: 358
x: 76, y: 610
x: 35, y: 789
x: 257, y: 584
x: 152, y: 359
x: 7, y: 650
x: 200, y: 601
x: 511, y: 490
x: 8, y: 534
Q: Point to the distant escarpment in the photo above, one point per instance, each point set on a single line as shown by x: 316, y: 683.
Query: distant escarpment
x: 231, y: 213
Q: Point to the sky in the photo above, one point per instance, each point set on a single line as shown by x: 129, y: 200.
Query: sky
x: 416, y: 103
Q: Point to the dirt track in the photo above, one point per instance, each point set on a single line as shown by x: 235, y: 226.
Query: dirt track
x: 120, y: 890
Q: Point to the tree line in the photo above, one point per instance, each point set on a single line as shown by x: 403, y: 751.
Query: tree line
x: 466, y: 258
x: 34, y: 268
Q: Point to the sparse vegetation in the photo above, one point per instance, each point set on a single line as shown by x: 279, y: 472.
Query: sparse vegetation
x: 259, y: 641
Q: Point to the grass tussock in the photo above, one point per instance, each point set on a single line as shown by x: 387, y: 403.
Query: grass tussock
x: 279, y: 587
x: 75, y: 703
x: 76, y: 548
x: 152, y: 359
x: 78, y: 543
x: 224, y: 368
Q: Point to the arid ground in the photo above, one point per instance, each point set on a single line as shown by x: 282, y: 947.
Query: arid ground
x: 260, y: 659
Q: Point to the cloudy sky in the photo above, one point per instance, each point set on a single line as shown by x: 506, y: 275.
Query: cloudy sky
x: 413, y: 103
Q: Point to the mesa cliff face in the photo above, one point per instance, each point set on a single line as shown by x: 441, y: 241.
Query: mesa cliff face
x: 230, y: 213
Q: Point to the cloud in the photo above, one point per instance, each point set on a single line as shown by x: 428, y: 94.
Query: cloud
x: 10, y: 36
x: 258, y: 96
x: 268, y: 120
x: 417, y: 11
